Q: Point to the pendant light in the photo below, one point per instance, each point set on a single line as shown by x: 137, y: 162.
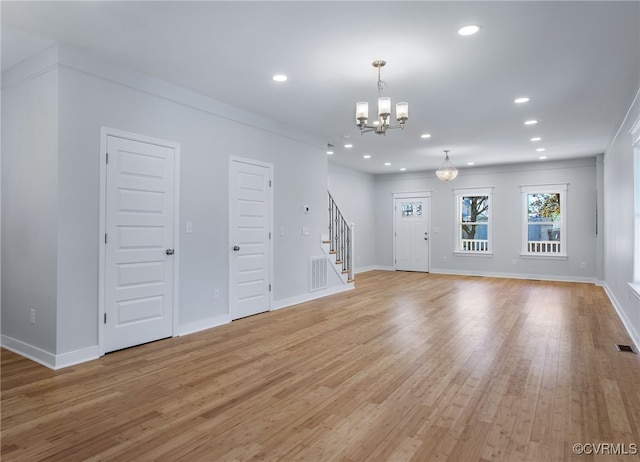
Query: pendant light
x: 447, y: 171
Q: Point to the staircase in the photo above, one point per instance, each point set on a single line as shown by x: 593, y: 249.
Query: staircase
x: 339, y: 244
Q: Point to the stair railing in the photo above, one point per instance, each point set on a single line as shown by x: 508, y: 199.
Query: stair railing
x: 341, y: 236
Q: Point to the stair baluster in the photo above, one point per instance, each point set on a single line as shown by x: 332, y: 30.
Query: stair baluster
x: 341, y: 238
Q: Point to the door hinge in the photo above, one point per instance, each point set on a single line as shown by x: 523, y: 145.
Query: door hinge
x: 269, y: 183
x: 269, y: 234
x: 105, y: 318
x: 105, y: 238
x: 107, y: 158
x: 269, y: 287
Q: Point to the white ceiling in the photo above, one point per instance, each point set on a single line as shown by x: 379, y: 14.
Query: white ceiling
x: 579, y: 62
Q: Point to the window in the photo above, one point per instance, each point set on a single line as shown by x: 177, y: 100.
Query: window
x: 473, y: 221
x: 544, y: 228
x: 412, y: 209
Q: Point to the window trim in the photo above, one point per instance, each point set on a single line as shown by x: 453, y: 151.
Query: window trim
x: 458, y: 194
x: 635, y: 144
x: 557, y: 188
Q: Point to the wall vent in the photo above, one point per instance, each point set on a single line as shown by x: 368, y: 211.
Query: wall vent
x: 626, y: 348
x: 318, y: 273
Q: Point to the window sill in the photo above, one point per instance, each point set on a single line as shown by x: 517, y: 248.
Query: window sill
x: 458, y: 253
x: 635, y: 287
x: 532, y: 256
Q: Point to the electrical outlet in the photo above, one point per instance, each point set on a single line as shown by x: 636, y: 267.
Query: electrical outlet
x: 514, y: 262
x: 33, y: 316
x: 444, y: 259
x: 583, y: 265
x: 216, y: 294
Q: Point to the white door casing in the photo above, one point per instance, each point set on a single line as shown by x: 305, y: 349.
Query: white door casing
x: 411, y: 232
x: 250, y: 246
x: 138, y: 255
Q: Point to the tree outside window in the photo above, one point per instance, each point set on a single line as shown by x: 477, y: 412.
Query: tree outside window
x: 473, y: 229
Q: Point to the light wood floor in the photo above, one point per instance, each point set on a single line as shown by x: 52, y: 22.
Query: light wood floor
x: 408, y: 366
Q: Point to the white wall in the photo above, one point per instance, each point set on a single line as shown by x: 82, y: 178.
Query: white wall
x: 619, y: 226
x: 30, y: 206
x: 92, y: 95
x: 507, y: 219
x: 354, y: 192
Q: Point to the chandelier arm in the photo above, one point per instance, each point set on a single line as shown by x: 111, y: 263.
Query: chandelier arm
x: 367, y: 129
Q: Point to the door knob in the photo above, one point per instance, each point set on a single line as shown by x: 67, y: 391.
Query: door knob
x: 170, y: 252
x: 236, y: 248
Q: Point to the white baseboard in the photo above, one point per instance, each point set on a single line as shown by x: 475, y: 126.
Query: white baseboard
x: 540, y: 277
x: 364, y: 269
x: 203, y: 324
x: 76, y: 357
x: 278, y: 304
x: 635, y: 336
x: 48, y: 359
x: 29, y: 351
x: 385, y: 268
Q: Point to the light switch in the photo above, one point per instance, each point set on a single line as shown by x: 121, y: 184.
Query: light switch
x: 281, y: 230
x: 305, y: 231
x: 189, y: 227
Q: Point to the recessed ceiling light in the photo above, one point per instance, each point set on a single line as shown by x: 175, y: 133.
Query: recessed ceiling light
x: 348, y: 146
x: 403, y: 169
x: 470, y: 163
x: 329, y: 152
x: 387, y: 164
x: 522, y: 99
x: 279, y: 78
x: 531, y: 122
x: 425, y: 135
x: 536, y: 138
x: 542, y: 157
x: 469, y: 30
x: 540, y: 150
x: 367, y: 156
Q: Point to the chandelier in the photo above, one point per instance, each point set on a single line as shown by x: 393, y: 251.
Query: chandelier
x: 447, y: 171
x: 384, y: 109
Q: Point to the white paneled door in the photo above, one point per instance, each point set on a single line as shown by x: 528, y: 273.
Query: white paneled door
x: 139, y: 243
x: 411, y: 233
x: 250, y: 238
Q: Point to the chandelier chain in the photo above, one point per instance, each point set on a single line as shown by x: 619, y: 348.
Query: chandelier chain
x: 381, y: 83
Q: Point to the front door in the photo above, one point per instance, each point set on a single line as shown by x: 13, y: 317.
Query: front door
x: 411, y: 233
x: 250, y: 238
x: 139, y: 243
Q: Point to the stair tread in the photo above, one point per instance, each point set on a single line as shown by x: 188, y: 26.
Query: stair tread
x: 339, y: 262
x: 333, y: 251
x: 350, y: 280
